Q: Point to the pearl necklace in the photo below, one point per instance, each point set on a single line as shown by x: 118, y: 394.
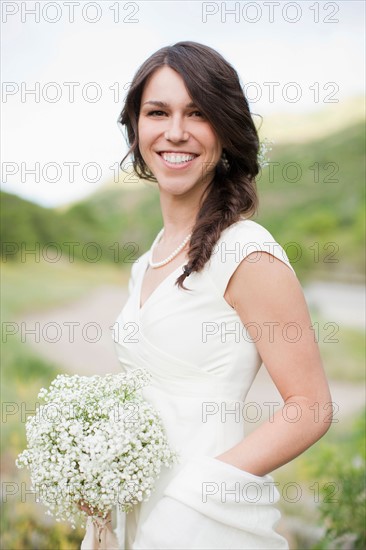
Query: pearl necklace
x: 172, y: 255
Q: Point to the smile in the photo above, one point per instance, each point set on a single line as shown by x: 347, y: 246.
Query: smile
x: 177, y: 159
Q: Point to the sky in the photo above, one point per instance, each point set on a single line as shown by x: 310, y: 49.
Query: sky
x: 66, y: 67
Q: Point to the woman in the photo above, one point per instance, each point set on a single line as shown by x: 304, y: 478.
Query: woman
x: 190, y: 129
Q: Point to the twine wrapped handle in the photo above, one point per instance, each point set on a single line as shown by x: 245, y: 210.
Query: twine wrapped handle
x: 99, y: 534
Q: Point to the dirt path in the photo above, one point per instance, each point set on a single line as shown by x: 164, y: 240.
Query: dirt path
x: 78, y: 338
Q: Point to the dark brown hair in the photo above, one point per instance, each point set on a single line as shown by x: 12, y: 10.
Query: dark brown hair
x: 214, y: 86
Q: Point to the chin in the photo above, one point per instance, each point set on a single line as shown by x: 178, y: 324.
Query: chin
x: 174, y: 188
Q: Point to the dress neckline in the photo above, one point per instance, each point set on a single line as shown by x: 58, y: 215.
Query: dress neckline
x: 148, y: 299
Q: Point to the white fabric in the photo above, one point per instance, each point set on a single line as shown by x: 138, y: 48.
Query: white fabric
x: 203, y: 363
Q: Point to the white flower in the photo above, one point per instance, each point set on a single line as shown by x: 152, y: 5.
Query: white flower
x: 82, y: 444
x: 264, y: 148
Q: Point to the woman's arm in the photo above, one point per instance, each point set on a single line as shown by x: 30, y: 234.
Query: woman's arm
x: 263, y: 290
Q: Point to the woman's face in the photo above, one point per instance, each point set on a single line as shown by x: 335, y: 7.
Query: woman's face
x: 176, y: 142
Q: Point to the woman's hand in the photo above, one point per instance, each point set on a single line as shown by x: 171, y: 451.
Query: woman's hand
x: 99, y: 533
x: 86, y: 508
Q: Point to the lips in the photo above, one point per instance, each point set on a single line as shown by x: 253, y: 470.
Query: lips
x: 177, y: 160
x: 174, y: 157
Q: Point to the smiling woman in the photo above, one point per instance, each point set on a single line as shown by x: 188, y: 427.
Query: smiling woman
x: 189, y: 129
x: 177, y: 123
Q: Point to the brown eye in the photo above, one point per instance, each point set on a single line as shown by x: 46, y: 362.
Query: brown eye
x: 155, y: 113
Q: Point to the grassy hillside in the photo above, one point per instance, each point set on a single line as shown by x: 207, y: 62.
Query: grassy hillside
x: 311, y: 195
x: 315, y: 197
x: 330, y: 118
x: 111, y: 226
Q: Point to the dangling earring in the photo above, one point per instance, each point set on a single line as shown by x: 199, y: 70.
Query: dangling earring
x: 225, y: 161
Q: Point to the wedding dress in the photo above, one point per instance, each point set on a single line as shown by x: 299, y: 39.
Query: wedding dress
x: 203, y: 363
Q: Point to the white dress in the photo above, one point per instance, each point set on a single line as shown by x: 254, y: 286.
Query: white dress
x: 203, y: 363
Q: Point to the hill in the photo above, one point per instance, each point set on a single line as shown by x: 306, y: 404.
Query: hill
x: 328, y: 119
x: 314, y: 196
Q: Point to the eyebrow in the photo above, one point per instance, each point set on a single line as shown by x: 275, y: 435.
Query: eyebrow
x: 163, y: 104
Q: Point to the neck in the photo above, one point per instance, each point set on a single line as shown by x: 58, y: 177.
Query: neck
x: 179, y: 214
x: 178, y: 222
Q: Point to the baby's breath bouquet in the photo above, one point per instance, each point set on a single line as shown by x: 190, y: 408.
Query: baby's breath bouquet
x: 94, y: 440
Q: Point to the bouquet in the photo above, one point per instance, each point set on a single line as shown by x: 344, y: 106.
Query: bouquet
x: 94, y: 441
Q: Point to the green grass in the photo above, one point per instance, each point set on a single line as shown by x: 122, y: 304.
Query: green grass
x: 29, y: 286
x: 330, y: 475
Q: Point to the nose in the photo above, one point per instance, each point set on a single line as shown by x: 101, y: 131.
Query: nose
x: 176, y: 131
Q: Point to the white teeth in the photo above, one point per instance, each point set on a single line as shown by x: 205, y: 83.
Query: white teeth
x: 174, y: 158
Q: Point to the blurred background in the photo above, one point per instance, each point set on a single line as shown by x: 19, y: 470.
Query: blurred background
x: 73, y: 222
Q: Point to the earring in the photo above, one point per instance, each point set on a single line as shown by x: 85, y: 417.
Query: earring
x: 225, y: 161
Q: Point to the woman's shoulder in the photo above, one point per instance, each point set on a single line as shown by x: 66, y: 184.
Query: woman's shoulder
x: 235, y: 243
